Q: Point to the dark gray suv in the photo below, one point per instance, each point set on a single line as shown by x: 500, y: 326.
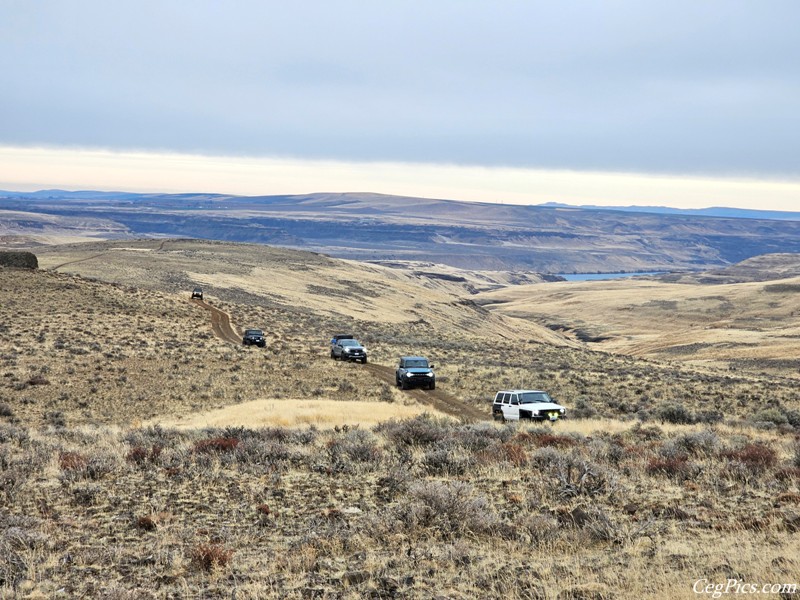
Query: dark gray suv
x: 415, y: 371
x: 349, y: 349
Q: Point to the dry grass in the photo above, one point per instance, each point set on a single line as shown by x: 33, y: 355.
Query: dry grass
x: 419, y: 507
x: 284, y: 478
x: 296, y: 412
x: 744, y: 326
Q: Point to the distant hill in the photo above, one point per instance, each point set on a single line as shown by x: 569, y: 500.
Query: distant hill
x: 365, y: 226
x: 732, y: 213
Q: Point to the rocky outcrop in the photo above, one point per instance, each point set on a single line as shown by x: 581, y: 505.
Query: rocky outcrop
x: 19, y: 260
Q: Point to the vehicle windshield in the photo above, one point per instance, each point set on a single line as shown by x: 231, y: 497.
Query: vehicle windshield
x: 254, y: 332
x: 349, y: 343
x: 533, y: 397
x: 419, y: 363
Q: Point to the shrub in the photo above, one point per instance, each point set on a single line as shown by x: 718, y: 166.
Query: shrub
x: 582, y: 409
x: 756, y: 457
x: 146, y: 523
x: 38, y: 380
x: 210, y: 556
x: 141, y: 455
x: 72, y: 461
x: 554, y: 440
x: 676, y: 414
x: 216, y: 445
x: 769, y: 415
x: 444, y: 460
x: 676, y: 467
x: 418, y: 431
x: 452, y: 508
x: 6, y: 410
x: 701, y: 442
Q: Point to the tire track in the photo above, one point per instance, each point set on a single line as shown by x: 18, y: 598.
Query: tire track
x: 220, y: 323
x: 438, y: 399
x: 80, y: 260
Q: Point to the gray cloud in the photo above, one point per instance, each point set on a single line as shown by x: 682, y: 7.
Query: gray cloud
x: 685, y: 86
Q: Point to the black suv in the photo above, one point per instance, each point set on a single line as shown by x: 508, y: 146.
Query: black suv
x: 254, y: 336
x: 414, y: 371
x: 197, y: 293
x: 349, y: 349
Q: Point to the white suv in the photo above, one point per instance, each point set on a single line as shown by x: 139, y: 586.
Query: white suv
x: 513, y: 405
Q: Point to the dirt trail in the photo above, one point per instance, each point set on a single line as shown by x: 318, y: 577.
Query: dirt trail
x: 80, y: 260
x: 220, y: 323
x: 438, y: 399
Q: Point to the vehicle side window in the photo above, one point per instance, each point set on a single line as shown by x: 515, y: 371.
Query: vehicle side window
x: 514, y: 400
x: 505, y: 398
x: 498, y: 398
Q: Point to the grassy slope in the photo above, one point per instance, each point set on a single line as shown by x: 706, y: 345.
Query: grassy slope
x: 416, y: 508
x: 753, y: 325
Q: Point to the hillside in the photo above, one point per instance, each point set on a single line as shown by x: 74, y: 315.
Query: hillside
x: 109, y: 319
x: 471, y: 235
x: 143, y: 455
x: 744, y: 317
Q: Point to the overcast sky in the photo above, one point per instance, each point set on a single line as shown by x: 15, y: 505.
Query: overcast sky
x: 699, y: 90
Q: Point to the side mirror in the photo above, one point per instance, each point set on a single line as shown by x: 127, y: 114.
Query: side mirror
x: 432, y: 366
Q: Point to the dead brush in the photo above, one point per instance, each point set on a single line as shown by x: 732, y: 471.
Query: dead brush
x: 554, y: 441
x: 216, y: 445
x: 675, y: 467
x: 515, y: 454
x: 72, y: 461
x: 141, y: 455
x: 755, y: 457
x: 579, y: 478
x: 209, y: 556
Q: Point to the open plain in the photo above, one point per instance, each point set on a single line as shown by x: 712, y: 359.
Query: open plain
x: 144, y: 454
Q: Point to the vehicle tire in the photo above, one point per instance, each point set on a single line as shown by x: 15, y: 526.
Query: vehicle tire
x: 333, y: 356
x: 364, y: 360
x: 432, y: 385
x: 403, y: 384
x: 397, y: 381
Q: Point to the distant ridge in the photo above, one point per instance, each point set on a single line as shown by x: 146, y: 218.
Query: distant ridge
x: 379, y: 227
x: 714, y: 211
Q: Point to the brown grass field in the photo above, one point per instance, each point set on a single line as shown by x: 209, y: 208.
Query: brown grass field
x: 144, y: 456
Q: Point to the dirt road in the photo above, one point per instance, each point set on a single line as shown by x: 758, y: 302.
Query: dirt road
x: 220, y: 323
x: 80, y: 260
x: 438, y: 399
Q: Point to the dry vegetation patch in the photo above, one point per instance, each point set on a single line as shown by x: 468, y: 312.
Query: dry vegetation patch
x: 421, y: 506
x: 280, y: 473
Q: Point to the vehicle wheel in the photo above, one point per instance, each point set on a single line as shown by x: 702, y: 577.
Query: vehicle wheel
x: 397, y: 381
x: 364, y: 360
x: 333, y: 356
x: 403, y: 384
x: 432, y: 385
